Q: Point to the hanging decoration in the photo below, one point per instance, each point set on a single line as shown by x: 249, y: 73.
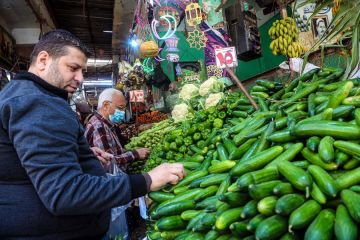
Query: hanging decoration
x: 172, y: 49
x: 193, y: 14
x: 148, y: 67
x: 170, y: 32
x: 197, y: 39
x: 149, y: 49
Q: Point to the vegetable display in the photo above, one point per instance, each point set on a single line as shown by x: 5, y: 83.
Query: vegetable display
x: 290, y: 170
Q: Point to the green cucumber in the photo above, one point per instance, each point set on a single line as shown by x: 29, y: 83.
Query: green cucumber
x: 212, y: 235
x: 189, y: 178
x: 316, y: 160
x: 239, y: 229
x: 265, y: 83
x: 250, y: 209
x: 311, y: 104
x: 169, y: 235
x: 313, y: 143
x: 207, y: 192
x: 341, y: 158
x: 289, y: 236
x: 325, y: 182
x: 342, y: 111
x: 195, y: 220
x: 355, y: 188
x: 336, y: 129
x: 322, y: 226
x: 271, y: 228
x: 348, y: 179
x: 206, y: 202
x: 301, y: 164
x: 256, y: 177
x: 224, y: 186
x: 259, y: 191
x: 351, y: 201
x: 189, y: 214
x: 266, y: 206
x: 345, y: 227
x: 283, y: 189
x: 223, y: 154
x: 234, y: 199
x: 351, y: 164
x: 257, y: 161
x: 205, y: 223
x: 173, y: 209
x: 340, y: 94
x: 295, y: 175
x: 264, y: 143
x: 170, y: 223
x: 326, y: 149
x: 354, y: 101
x: 288, y: 155
x: 317, y: 194
x: 255, y: 222
x: 348, y: 147
x: 228, y: 217
x: 281, y: 136
x: 191, y: 165
x: 303, y: 215
x: 239, y: 152
x: 223, y: 166
x: 160, y: 196
x: 288, y: 203
x: 213, y: 179
x: 357, y: 116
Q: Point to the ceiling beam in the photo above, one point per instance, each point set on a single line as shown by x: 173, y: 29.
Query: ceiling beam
x: 42, y: 14
x: 116, y: 38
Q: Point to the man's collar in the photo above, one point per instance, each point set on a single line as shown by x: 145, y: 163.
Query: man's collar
x: 107, y: 122
x: 24, y: 75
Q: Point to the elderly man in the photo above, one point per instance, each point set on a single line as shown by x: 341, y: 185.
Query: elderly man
x: 100, y: 130
x: 51, y: 184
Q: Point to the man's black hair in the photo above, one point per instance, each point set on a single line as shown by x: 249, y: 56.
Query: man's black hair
x: 56, y: 43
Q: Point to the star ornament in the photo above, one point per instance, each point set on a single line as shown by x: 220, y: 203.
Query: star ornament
x: 197, y: 39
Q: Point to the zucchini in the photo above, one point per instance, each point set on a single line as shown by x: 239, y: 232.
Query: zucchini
x: 326, y: 149
x: 345, y: 227
x: 257, y: 161
x: 325, y: 182
x: 348, y: 179
x: 303, y: 215
x: 322, y: 226
x: 170, y: 223
x: 266, y: 206
x: 283, y: 189
x: 259, y: 191
x: 336, y: 129
x: 288, y: 203
x: 227, y: 218
x: 351, y: 201
x: 250, y: 209
x: 317, y: 194
x: 295, y: 175
x: 271, y: 228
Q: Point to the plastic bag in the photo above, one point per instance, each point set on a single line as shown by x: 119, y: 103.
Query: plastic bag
x: 118, y: 228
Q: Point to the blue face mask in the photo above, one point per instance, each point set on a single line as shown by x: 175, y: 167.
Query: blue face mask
x: 117, y: 117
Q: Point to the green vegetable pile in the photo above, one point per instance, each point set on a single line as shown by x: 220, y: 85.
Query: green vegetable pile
x: 290, y: 170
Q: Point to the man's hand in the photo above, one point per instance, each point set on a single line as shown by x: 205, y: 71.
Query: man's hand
x: 143, y: 152
x: 104, y: 157
x: 166, y: 173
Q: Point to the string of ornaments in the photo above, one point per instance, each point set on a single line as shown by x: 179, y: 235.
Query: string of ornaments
x: 196, y: 38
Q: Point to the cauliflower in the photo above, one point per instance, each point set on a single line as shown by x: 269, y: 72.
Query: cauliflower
x: 213, y: 99
x: 180, y: 112
x: 188, y: 91
x: 210, y: 86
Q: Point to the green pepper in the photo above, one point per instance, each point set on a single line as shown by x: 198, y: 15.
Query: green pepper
x: 211, y: 118
x: 218, y: 123
x: 211, y: 110
x: 206, y: 133
x: 173, y: 146
x: 170, y: 155
x: 200, y: 116
x: 201, y: 127
x: 197, y: 136
x: 221, y: 115
x: 166, y: 146
x: 182, y: 149
x: 188, y: 141
x: 179, y: 141
x: 178, y: 157
x: 200, y: 144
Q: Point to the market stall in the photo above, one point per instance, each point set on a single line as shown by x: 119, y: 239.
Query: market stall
x: 277, y: 160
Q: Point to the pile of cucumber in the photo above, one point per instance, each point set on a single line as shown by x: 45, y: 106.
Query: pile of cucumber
x: 290, y: 170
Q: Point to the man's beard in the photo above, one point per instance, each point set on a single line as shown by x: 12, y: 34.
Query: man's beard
x: 54, y: 76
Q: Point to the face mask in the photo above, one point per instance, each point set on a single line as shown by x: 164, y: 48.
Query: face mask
x: 117, y: 117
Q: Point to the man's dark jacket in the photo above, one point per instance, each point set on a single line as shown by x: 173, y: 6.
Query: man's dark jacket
x: 51, y: 184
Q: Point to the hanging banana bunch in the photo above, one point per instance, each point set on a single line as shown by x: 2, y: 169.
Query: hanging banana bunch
x: 285, y: 35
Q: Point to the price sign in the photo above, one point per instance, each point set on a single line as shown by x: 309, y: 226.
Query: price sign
x: 137, y: 96
x: 226, y: 56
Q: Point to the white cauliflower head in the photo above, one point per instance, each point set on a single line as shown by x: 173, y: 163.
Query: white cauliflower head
x: 180, y: 112
x: 188, y: 91
x: 213, y: 99
x: 211, y: 85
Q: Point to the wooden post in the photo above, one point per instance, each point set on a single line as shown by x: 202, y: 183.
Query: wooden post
x: 242, y: 88
x: 282, y: 7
